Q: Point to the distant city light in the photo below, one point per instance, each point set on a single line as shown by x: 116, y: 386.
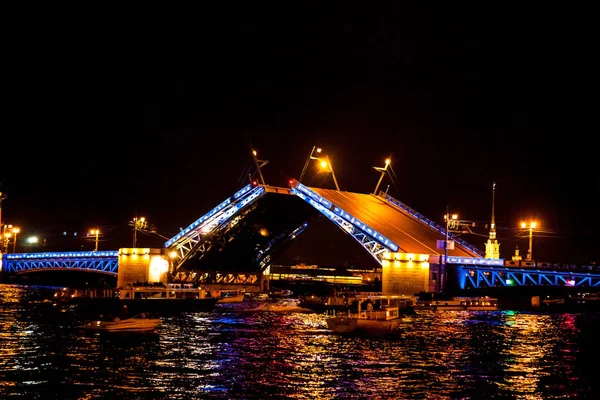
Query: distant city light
x: 32, y: 240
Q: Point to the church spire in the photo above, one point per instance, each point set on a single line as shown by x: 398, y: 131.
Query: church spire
x: 492, y: 247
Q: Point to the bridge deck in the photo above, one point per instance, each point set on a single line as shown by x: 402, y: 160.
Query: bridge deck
x: 411, y: 234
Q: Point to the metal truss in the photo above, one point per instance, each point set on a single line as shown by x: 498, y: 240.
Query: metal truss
x: 101, y: 262
x: 375, y: 243
x: 222, y: 218
x: 264, y: 255
x: 481, y: 277
x: 206, y: 278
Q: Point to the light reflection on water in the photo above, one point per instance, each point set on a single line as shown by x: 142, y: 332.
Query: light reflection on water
x: 281, y: 351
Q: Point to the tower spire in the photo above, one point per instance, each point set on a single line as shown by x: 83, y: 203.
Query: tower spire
x: 492, y: 247
x: 493, y: 223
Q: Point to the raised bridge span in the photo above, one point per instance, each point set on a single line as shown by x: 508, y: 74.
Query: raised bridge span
x: 381, y: 224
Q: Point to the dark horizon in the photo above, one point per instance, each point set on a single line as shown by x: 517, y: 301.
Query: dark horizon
x: 101, y: 127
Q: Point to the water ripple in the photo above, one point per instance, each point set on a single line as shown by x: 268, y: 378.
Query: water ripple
x: 280, y: 351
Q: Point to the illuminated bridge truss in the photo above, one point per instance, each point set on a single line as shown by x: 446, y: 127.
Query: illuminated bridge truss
x: 223, y: 217
x: 219, y: 278
x: 485, y: 276
x: 215, y: 229
x: 105, y: 262
x: 374, y: 242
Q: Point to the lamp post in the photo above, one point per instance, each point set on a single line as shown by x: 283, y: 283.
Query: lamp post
x: 259, y: 164
x: 382, y: 169
x: 95, y: 232
x: 451, y: 222
x: 310, y: 157
x: 138, y: 223
x: 5, y: 240
x: 15, y: 230
x: 530, y: 226
x: 325, y: 163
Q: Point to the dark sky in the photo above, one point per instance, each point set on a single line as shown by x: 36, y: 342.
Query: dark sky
x: 108, y: 117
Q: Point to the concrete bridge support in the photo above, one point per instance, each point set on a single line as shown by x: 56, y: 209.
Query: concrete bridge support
x: 407, y: 274
x: 142, y: 265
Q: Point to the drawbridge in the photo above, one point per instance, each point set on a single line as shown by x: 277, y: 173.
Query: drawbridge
x: 379, y: 223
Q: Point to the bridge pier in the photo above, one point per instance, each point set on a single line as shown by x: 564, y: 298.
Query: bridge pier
x: 142, y: 265
x: 407, y: 274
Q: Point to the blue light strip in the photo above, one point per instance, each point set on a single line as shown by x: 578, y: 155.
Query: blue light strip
x: 211, y: 213
x: 476, y: 261
x: 432, y: 224
x: 69, y: 254
x: 473, y: 276
x: 327, y: 205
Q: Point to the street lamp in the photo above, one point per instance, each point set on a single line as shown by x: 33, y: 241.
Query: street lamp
x: 530, y: 226
x: 138, y: 223
x: 382, y: 169
x: 15, y: 230
x: 325, y: 163
x: 259, y: 164
x: 451, y: 222
x: 6, y: 238
x: 95, y: 232
x: 318, y: 150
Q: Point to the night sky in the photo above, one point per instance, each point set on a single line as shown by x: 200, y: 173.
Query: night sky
x: 110, y: 118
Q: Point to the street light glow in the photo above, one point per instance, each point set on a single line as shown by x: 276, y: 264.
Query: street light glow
x: 529, y: 225
x: 95, y: 232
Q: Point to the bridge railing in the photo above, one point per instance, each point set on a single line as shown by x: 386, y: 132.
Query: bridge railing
x: 423, y: 219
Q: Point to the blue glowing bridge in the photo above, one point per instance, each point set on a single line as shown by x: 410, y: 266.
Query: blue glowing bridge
x: 379, y: 223
x: 104, y: 262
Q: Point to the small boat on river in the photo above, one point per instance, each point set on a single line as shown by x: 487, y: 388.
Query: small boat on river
x: 484, y: 303
x: 233, y: 296
x: 376, y: 315
x: 138, y: 323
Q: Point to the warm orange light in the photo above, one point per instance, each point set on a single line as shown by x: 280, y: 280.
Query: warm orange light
x: 323, y: 164
x: 387, y: 161
x: 531, y: 224
x: 16, y: 230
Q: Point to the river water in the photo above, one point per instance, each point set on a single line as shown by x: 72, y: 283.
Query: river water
x: 280, y: 351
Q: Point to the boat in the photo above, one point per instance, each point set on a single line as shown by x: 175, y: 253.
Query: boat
x: 138, y: 323
x: 233, y: 296
x: 484, y: 303
x: 280, y: 294
x: 161, y: 299
x: 577, y: 302
x: 314, y: 302
x: 375, y: 315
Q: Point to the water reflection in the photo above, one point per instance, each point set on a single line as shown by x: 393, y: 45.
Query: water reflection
x: 280, y: 352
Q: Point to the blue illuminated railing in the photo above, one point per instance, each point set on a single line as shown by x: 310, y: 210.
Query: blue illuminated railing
x: 432, y: 224
x: 479, y: 276
x: 325, y: 205
x: 476, y: 261
x: 58, y: 255
x: 208, y: 215
x: 94, y: 261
